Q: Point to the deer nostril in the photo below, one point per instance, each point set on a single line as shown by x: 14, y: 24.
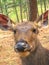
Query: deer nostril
x: 21, y: 46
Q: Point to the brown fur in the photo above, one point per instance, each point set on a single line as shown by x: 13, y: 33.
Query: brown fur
x: 38, y: 55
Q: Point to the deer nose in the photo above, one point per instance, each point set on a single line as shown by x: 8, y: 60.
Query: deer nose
x: 21, y: 46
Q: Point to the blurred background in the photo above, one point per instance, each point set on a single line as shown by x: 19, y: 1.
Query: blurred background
x: 22, y: 10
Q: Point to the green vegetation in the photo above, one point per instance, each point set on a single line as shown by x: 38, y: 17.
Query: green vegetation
x: 12, y: 8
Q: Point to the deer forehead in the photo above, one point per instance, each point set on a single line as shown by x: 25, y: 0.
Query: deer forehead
x: 25, y: 27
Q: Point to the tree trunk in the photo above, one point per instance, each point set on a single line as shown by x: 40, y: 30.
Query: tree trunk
x: 32, y: 10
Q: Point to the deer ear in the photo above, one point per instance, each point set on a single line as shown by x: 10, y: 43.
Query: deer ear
x: 6, y: 23
x: 41, y: 23
x: 11, y: 25
x: 42, y: 20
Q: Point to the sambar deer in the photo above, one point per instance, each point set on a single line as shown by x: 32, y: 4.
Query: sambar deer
x: 28, y: 46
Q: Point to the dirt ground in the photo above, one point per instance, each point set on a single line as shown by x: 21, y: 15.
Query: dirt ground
x: 7, y: 53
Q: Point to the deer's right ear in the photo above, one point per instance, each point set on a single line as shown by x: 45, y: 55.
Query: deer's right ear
x: 6, y: 23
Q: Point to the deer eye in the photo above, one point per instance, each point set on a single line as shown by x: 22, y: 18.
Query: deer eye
x: 34, y: 30
x: 14, y: 31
